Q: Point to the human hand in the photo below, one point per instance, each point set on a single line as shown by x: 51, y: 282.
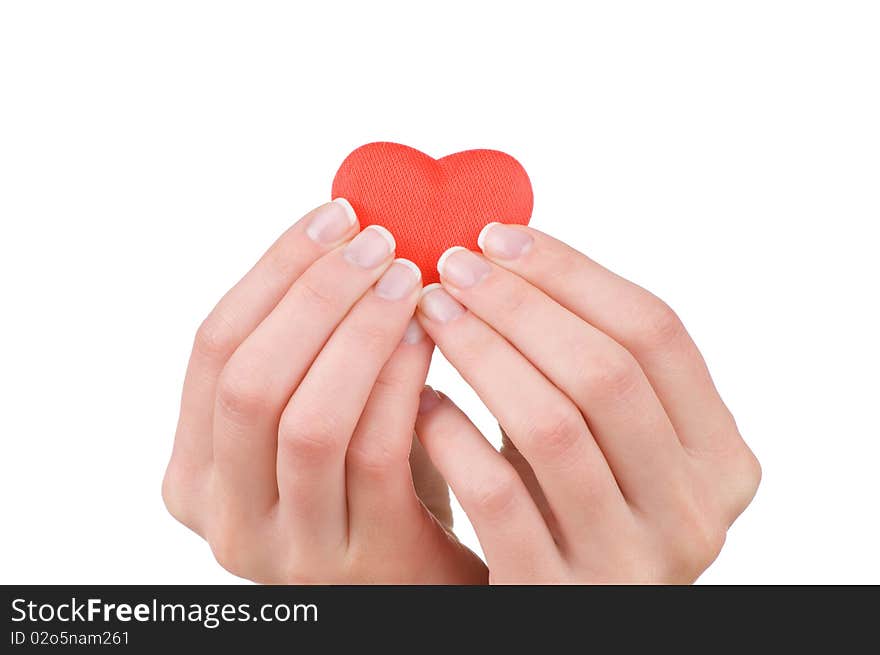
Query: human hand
x: 622, y: 463
x: 292, y: 452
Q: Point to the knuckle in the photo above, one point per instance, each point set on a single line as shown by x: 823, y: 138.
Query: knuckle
x: 494, y: 495
x: 184, y: 490
x: 229, y: 551
x: 565, y: 265
x: 373, y: 457
x: 697, y: 542
x: 703, y: 547
x: 279, y: 263
x: 753, y: 473
x: 309, y: 435
x: 555, y: 433
x: 390, y: 382
x: 471, y: 352
x: 215, y: 338
x: 173, y: 496
x: 372, y: 337
x: 514, y: 301
x: 469, y: 355
x: 611, y: 376
x: 660, y: 327
x: 243, y: 393
x: 316, y: 295
x: 748, y: 479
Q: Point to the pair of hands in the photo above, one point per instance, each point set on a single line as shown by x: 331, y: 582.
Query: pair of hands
x: 308, y: 449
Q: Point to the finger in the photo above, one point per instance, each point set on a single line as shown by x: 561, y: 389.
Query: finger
x: 527, y: 475
x: 541, y: 420
x: 232, y: 320
x: 263, y: 372
x: 514, y: 537
x: 379, y: 482
x: 636, y: 319
x: 318, y: 422
x: 430, y: 486
x: 594, y: 371
x: 388, y: 473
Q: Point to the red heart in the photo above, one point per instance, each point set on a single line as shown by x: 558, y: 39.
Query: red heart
x: 429, y: 204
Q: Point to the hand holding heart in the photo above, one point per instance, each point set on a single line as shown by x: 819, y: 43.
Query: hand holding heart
x: 294, y: 455
x: 431, y: 205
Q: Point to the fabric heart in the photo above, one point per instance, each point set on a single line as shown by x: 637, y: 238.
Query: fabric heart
x: 429, y: 204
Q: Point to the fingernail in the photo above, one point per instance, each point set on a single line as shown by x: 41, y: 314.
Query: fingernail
x: 461, y: 267
x: 399, y: 280
x: 331, y: 222
x: 371, y: 247
x: 438, y: 305
x: 414, y: 332
x: 428, y: 400
x: 504, y: 242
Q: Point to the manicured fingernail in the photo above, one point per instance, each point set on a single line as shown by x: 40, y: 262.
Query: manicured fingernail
x: 428, y: 400
x: 461, y: 267
x: 399, y: 280
x: 414, y: 332
x: 331, y: 222
x: 371, y: 247
x: 504, y: 242
x: 438, y: 305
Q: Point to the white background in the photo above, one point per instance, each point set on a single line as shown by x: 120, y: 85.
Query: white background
x: 725, y: 155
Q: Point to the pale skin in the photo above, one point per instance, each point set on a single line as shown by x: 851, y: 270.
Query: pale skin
x: 308, y: 449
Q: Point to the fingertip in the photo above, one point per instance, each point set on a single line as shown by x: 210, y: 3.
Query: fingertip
x: 446, y: 253
x: 428, y: 288
x: 349, y: 210
x: 386, y: 234
x: 327, y: 226
x: 414, y: 333
x: 428, y: 400
x: 505, y: 242
x: 482, y: 236
x: 437, y: 305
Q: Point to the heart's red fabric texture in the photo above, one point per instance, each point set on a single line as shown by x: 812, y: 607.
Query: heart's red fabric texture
x: 429, y: 204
